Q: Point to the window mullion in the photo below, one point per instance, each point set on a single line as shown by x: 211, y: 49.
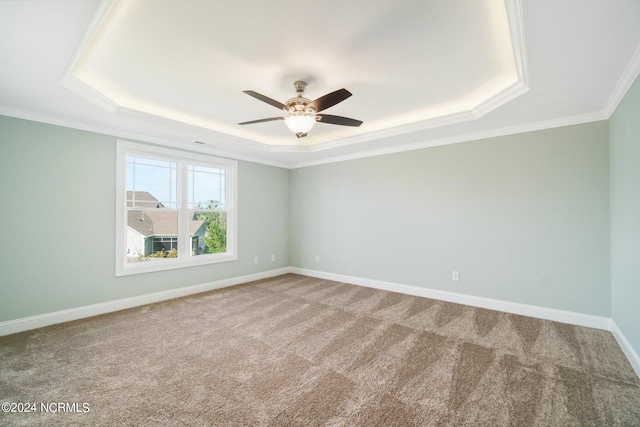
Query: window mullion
x: 229, y: 207
x: 183, y: 215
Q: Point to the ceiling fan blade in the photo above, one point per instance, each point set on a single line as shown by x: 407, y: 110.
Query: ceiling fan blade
x: 261, y: 120
x: 266, y: 99
x: 338, y: 120
x: 330, y: 99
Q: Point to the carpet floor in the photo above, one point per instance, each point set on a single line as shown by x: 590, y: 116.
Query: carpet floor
x: 300, y: 351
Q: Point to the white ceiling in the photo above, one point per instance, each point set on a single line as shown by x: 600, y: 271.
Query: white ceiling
x: 422, y: 73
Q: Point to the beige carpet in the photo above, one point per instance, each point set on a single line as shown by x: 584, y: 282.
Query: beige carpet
x: 298, y: 351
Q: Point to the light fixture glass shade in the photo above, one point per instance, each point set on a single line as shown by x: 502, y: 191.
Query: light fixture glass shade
x: 300, y: 123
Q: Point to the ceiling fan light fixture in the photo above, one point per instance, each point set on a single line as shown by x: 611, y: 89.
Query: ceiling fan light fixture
x: 302, y: 111
x: 300, y: 123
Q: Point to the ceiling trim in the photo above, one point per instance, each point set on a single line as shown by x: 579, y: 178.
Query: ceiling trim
x: 474, y: 136
x: 629, y: 76
x: 115, y: 132
x: 77, y: 86
x: 493, y: 103
x: 147, y: 117
x: 90, y: 94
x: 515, y: 17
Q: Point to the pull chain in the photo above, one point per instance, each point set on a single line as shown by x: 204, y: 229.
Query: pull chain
x: 300, y: 170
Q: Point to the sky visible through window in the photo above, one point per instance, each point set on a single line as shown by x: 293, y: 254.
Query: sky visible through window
x: 205, y: 184
x: 159, y: 178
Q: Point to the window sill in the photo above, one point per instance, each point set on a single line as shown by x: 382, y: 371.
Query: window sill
x: 171, y: 264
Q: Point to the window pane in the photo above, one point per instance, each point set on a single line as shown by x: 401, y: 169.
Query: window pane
x: 208, y: 232
x: 151, y: 235
x: 173, y: 204
x: 151, y: 183
x: 206, y: 187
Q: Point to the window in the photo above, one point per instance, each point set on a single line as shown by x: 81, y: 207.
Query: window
x: 174, y: 209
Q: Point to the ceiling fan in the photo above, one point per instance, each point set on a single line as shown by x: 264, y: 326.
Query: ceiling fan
x: 303, y: 113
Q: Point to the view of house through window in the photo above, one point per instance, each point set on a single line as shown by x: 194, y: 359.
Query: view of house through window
x: 153, y: 210
x: 176, y: 208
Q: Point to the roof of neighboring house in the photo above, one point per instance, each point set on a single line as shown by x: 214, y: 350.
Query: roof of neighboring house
x: 142, y: 199
x: 157, y: 222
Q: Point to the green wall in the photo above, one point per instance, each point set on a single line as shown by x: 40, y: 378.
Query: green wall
x: 58, y: 223
x: 625, y: 215
x: 523, y: 218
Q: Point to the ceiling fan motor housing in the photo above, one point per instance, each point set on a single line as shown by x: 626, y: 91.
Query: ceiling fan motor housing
x: 299, y: 104
x: 300, y: 86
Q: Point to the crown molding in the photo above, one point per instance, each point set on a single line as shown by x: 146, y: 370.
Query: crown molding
x: 76, y: 85
x: 487, y: 106
x: 114, y: 132
x: 515, y: 17
x: 624, y: 84
x: 143, y: 116
x: 501, y: 99
x: 88, y: 93
x: 118, y: 133
x: 512, y: 130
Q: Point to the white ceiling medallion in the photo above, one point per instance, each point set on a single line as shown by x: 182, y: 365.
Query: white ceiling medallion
x: 185, y: 64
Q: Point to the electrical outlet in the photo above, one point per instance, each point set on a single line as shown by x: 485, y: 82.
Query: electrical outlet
x: 273, y: 257
x: 455, y: 276
x: 256, y: 260
x: 317, y: 258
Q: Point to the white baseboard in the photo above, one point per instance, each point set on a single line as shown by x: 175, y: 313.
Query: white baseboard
x: 41, y: 320
x: 573, y: 318
x: 570, y: 317
x: 597, y: 322
x: 627, y: 349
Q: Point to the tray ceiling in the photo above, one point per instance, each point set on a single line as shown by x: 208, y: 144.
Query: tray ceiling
x: 406, y: 62
x: 421, y: 72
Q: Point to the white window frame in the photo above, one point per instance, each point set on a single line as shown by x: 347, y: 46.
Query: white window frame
x: 184, y: 259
